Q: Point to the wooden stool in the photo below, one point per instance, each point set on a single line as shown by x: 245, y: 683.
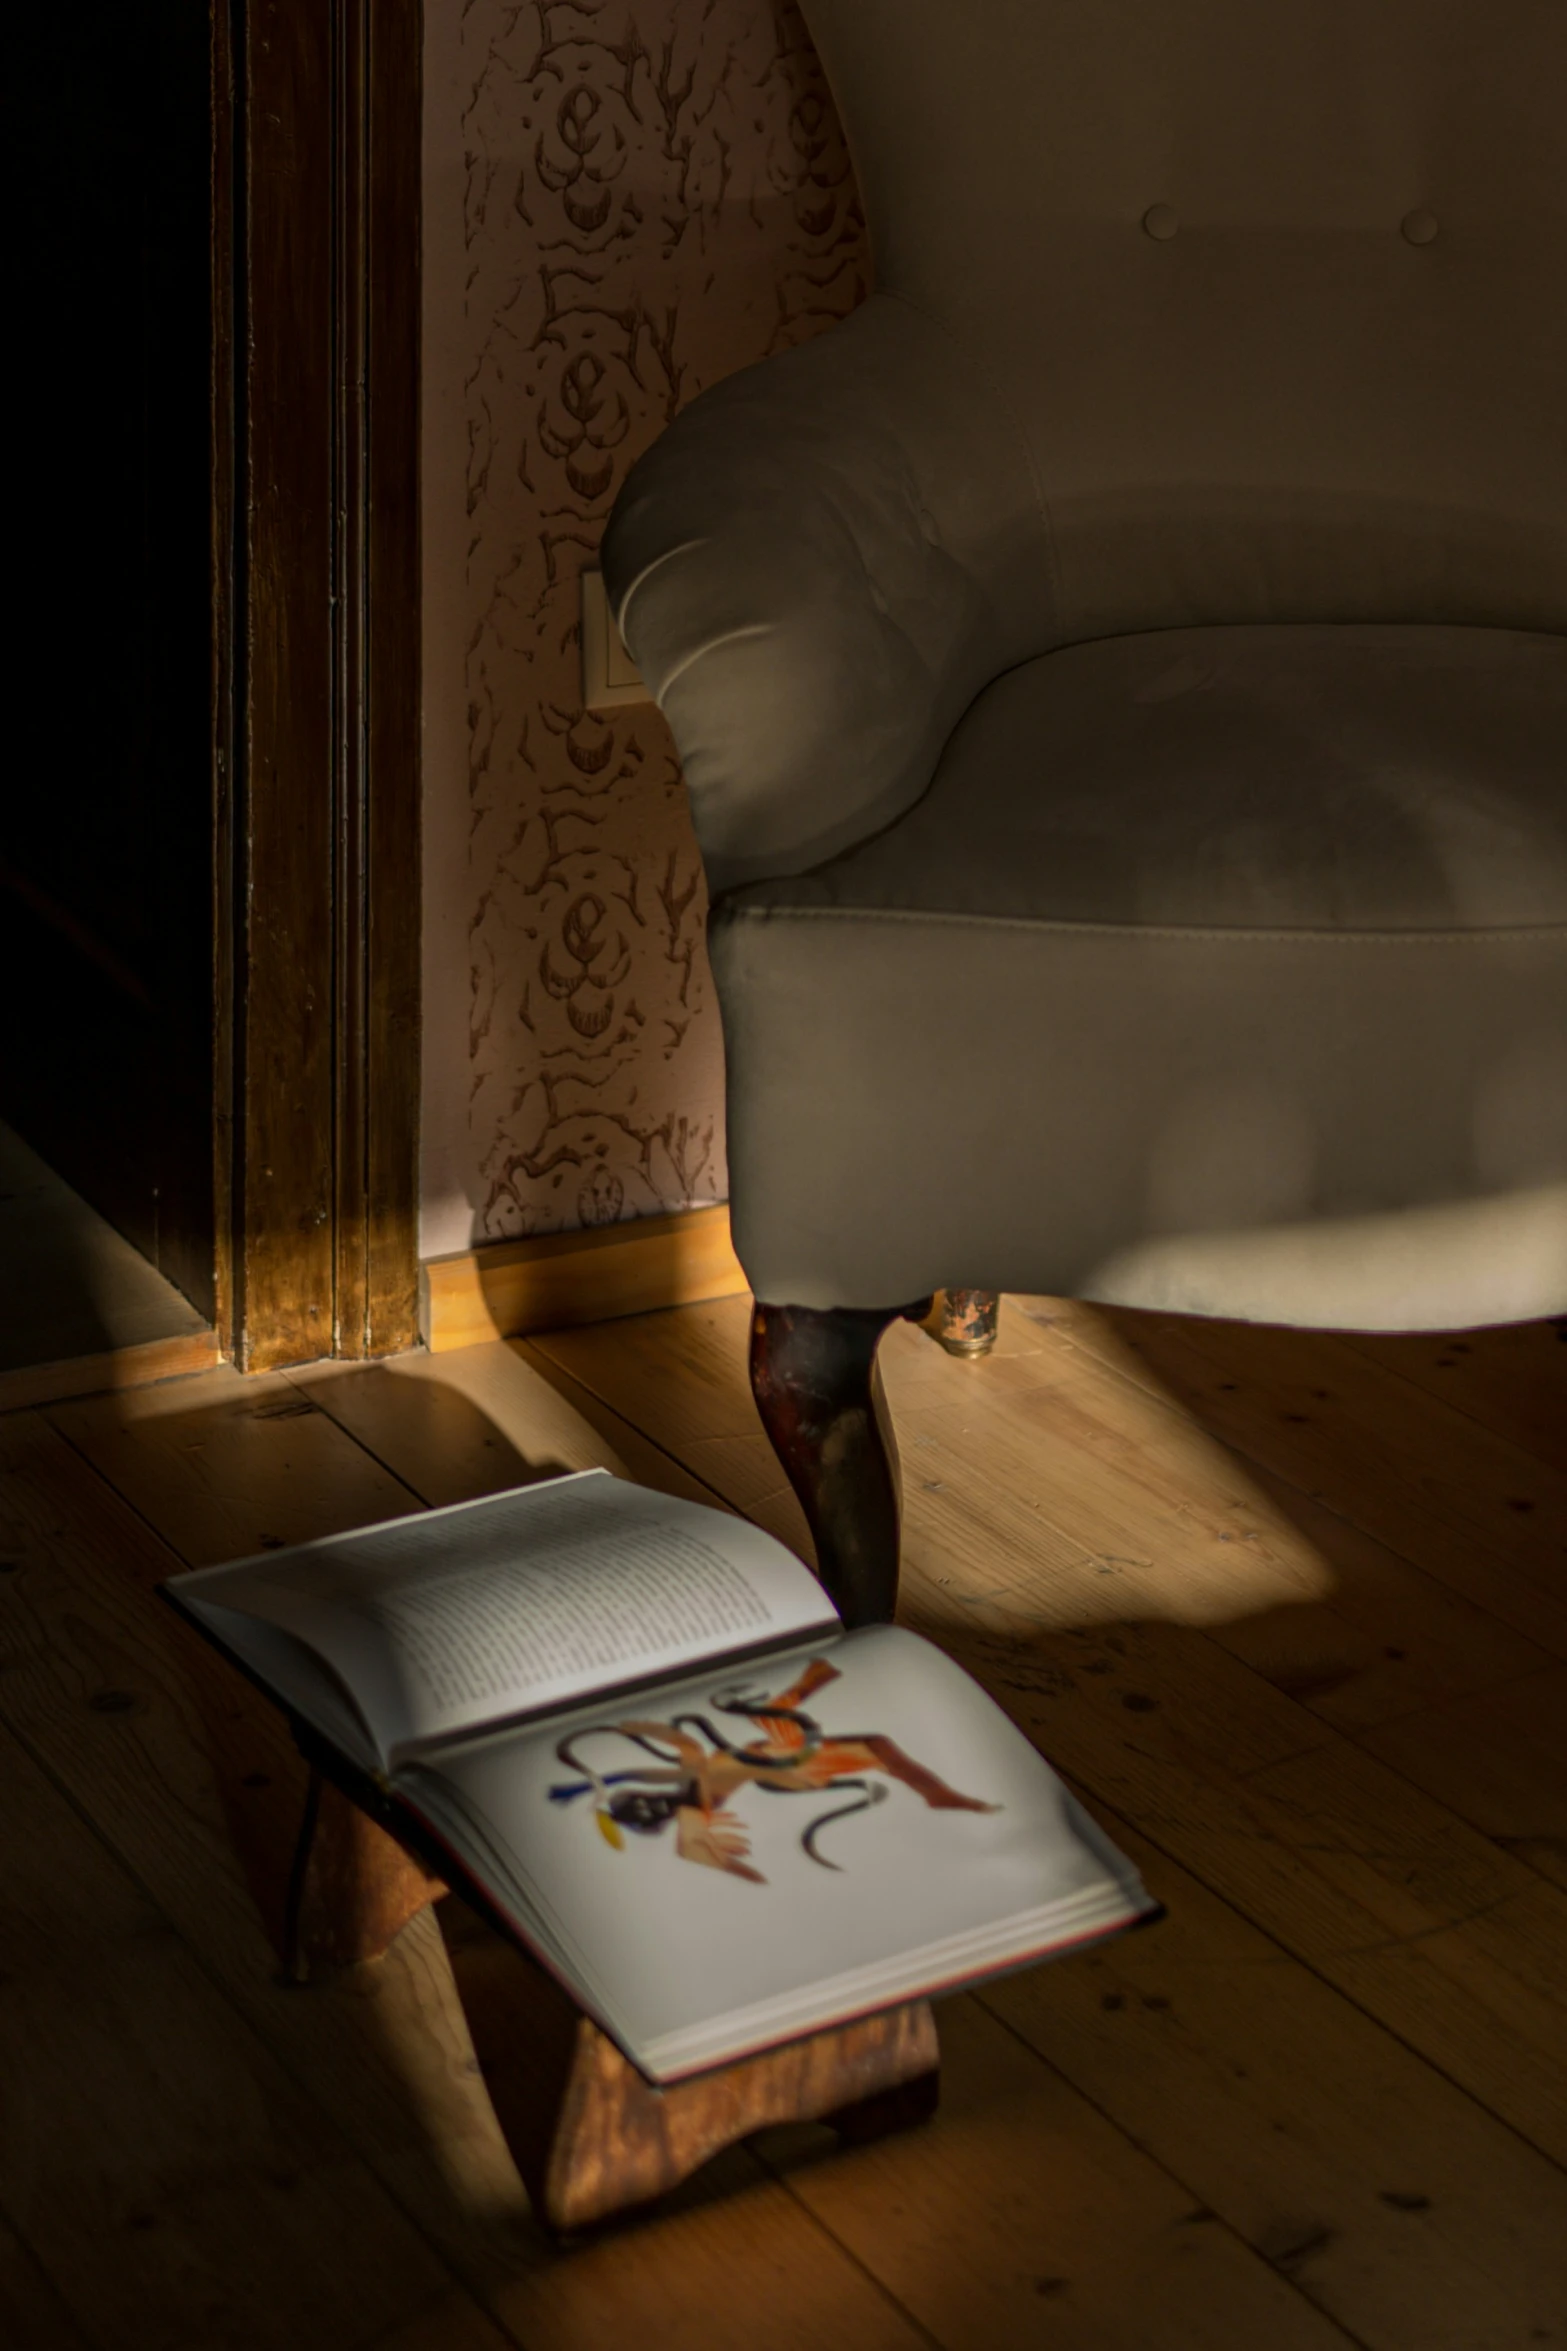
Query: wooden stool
x: 588, y: 2134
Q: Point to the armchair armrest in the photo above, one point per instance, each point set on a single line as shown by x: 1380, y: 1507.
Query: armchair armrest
x: 816, y: 569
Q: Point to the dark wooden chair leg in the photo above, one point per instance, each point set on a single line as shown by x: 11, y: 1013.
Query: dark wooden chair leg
x: 813, y: 1374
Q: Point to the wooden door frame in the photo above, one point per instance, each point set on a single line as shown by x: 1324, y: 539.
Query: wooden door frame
x: 316, y: 110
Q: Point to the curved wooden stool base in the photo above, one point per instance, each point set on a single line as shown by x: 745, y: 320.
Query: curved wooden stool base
x: 588, y: 2134
x: 591, y: 2138
x: 352, y: 1888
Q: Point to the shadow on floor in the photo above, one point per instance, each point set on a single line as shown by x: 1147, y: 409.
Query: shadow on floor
x: 72, y: 1285
x: 1191, y: 1727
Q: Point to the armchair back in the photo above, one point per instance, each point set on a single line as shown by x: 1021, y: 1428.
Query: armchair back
x: 1273, y: 291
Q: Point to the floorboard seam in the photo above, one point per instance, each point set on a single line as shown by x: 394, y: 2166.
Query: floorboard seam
x: 1113, y: 1814
x: 252, y: 2032
x: 1162, y: 2165
x: 1526, y: 1446
x: 1323, y: 1501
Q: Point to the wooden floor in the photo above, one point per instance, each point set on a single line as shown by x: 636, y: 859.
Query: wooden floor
x: 1289, y: 1610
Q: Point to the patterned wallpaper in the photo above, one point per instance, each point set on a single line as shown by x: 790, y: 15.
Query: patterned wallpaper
x: 625, y: 201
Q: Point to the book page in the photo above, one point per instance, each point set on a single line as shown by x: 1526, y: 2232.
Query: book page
x: 521, y: 1601
x: 745, y: 1854
x: 294, y: 1673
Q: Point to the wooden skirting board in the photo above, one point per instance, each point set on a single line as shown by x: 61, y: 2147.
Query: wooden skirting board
x: 557, y: 1279
x: 116, y: 1367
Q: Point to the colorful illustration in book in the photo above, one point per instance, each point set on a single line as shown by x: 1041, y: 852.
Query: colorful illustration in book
x: 697, y: 1771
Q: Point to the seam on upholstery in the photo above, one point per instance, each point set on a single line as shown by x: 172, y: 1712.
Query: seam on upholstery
x: 685, y: 547
x: 1293, y: 628
x: 1004, y: 402
x: 755, y: 628
x: 1542, y: 932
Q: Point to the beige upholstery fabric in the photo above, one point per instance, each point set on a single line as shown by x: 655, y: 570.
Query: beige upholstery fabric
x: 1150, y: 1115
x: 1300, y: 404
x: 1322, y: 778
x: 1120, y: 673
x: 817, y: 568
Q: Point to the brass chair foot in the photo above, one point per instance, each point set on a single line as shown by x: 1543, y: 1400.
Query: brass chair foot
x: 965, y: 1321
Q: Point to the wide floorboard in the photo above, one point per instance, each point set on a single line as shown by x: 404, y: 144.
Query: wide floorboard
x: 1290, y: 1612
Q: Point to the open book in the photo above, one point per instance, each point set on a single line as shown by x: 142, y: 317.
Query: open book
x: 639, y: 1728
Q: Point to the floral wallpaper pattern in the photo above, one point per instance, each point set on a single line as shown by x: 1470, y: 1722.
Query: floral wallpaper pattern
x: 653, y: 194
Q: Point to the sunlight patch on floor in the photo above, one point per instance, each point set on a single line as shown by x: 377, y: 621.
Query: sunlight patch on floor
x: 1057, y: 1483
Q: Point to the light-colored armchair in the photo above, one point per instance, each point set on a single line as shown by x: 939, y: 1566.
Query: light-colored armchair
x: 1121, y: 676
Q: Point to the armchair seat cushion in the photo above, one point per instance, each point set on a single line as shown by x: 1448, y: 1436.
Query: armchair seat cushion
x: 1245, y: 949
x: 1317, y: 778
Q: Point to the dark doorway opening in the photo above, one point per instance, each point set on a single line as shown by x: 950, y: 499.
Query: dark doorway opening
x: 107, y: 930
x: 209, y: 854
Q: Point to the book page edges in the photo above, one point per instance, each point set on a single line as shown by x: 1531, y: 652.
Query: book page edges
x: 327, y: 1703
x: 978, y: 1955
x: 294, y: 1591
x: 1006, y: 1948
x: 322, y: 1699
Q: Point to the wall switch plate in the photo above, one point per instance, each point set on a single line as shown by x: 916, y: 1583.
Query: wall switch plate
x: 610, y: 677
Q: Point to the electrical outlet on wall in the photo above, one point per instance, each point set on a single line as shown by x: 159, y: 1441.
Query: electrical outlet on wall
x: 610, y: 677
